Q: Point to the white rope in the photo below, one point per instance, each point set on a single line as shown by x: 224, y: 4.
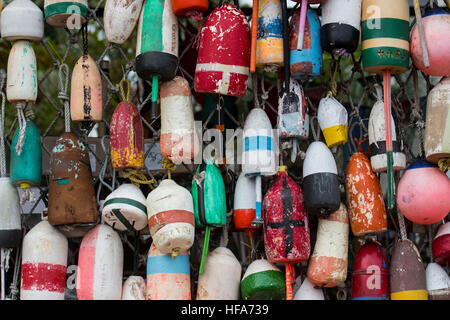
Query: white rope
x: 27, y: 195
x: 22, y: 127
x: 62, y: 94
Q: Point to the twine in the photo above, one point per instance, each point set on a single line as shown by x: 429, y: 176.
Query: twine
x: 63, y: 74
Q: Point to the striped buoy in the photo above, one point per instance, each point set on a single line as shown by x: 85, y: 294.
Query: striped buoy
x: 44, y: 263
x: 438, y: 282
x: 134, y: 288
x: 441, y: 245
x: 168, y: 278
x: 307, y: 291
x: 244, y: 203
x: 221, y: 278
x: 100, y: 265
x: 263, y: 281
x: 125, y: 208
x: 120, y: 18
x: 333, y: 121
x: 64, y: 13
x: 22, y: 20
x: 10, y: 224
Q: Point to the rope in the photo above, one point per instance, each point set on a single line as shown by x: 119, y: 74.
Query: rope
x: 22, y: 127
x: 63, y: 75
x: 2, y: 137
x: 27, y: 195
x: 265, y: 94
x: 14, y: 291
x: 125, y: 97
x: 102, y: 173
x: 315, y: 130
x: 401, y: 222
x: 137, y: 177
x: 169, y: 166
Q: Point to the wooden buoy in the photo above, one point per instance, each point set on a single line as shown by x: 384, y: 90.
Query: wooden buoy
x: 10, y: 221
x: 245, y: 203
x: 263, y: 281
x: 307, y: 291
x: 438, y: 282
x: 119, y: 18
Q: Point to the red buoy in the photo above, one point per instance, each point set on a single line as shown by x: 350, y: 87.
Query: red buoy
x: 441, y: 245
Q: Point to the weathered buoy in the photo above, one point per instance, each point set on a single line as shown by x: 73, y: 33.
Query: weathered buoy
x: 333, y: 121
x: 178, y: 140
x: 244, y: 203
x: 438, y: 282
x: 437, y: 126
x: 125, y: 208
x: 269, y: 44
x: 307, y: 291
x: 44, y: 263
x: 407, y: 273
x: 86, y: 91
x: 10, y: 225
x: 171, y: 221
x: 100, y: 265
x: 168, y: 278
x: 441, y: 245
x: 328, y: 264
x: 423, y: 193
x: 365, y: 202
x: 436, y: 22
x: 306, y: 63
x: 120, y: 18
x: 223, y: 62
x: 71, y: 180
x: 190, y: 8
x: 341, y: 24
x: 370, y: 276
x: 22, y: 20
x: 134, y: 288
x: 64, y: 13
x: 320, y: 180
x: 221, y: 278
x: 263, y: 281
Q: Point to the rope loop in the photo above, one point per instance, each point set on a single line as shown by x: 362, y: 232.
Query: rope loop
x: 169, y: 166
x: 125, y: 97
x: 137, y: 177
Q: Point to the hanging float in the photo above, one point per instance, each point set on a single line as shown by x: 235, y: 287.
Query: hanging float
x: 120, y: 18
x: 245, y: 204
x: 63, y: 13
x: 333, y: 121
x: 263, y: 281
x: 438, y: 282
x: 190, y: 8
x: 307, y: 291
x: 22, y: 20
x: 441, y: 245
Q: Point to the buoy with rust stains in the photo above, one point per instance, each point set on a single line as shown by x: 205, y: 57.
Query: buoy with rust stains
x: 407, y: 273
x: 438, y: 282
x: 171, y: 221
x: 120, y: 18
x: 134, y: 288
x: 100, y: 265
x: 168, y: 278
x: 333, y: 121
x: 190, y: 8
x: 328, y: 264
x: 320, y: 180
x: 70, y: 181
x: 223, y: 62
x: 22, y: 20
x: 307, y: 291
x: 423, y: 193
x: 263, y: 281
x: 66, y: 14
x: 125, y: 208
x: 44, y: 263
x: 370, y: 276
x: 179, y: 141
x: 441, y: 245
x: 221, y: 278
x: 245, y: 204
x: 365, y: 202
x: 86, y: 91
x: 10, y: 221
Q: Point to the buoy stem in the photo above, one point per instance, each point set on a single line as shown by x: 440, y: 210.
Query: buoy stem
x: 423, y: 42
x: 254, y: 36
x: 205, y: 249
x: 387, y: 121
x: 154, y: 95
x: 258, y: 219
x: 301, y: 28
x: 288, y: 281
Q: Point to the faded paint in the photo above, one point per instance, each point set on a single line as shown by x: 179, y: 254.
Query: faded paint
x: 120, y: 17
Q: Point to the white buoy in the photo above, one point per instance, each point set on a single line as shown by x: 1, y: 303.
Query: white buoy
x: 134, y: 288
x: 221, y: 278
x: 171, y: 219
x: 125, y: 208
x: 119, y: 18
x: 44, y: 263
x: 100, y: 265
x: 10, y: 226
x: 333, y: 121
x: 307, y: 291
x: 244, y: 202
x: 22, y: 20
x: 438, y: 282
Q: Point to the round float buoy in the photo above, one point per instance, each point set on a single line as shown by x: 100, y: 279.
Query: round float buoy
x: 307, y: 291
x: 333, y: 121
x: 263, y: 281
x: 120, y: 18
x: 134, y: 288
x: 441, y: 245
x: 22, y: 20
x: 10, y: 224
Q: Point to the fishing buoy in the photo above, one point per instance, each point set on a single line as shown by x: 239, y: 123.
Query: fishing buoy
x: 190, y: 8
x: 365, y: 202
x: 125, y: 208
x: 328, y: 264
x: 120, y: 18
x: 71, y: 180
x: 223, y: 60
x: 441, y: 245
x: 320, y: 180
x: 127, y: 137
x: 263, y: 281
x: 438, y: 282
x: 179, y: 141
x: 100, y: 265
x: 86, y: 91
x: 26, y: 169
x: 407, y: 273
x: 22, y: 20
x: 221, y: 278
x: 307, y: 291
x: 437, y: 127
x: 134, y: 288
x: 44, y: 263
x: 370, y: 276
x: 377, y: 140
x: 245, y: 203
x: 168, y: 278
x: 269, y: 44
x: 171, y: 217
x: 423, y: 193
x: 436, y: 22
x: 302, y: 20
x: 305, y: 63
x: 210, y: 208
x: 157, y: 45
x: 64, y: 13
x: 341, y: 24
x: 10, y: 225
x: 333, y: 121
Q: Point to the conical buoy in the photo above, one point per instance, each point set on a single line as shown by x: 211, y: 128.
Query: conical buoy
x: 423, y: 193
x: 333, y: 121
x: 10, y: 222
x: 134, y: 288
x: 22, y: 20
x: 263, y: 281
x: 438, y: 282
x: 120, y: 18
x: 441, y: 245
x: 307, y: 291
x: 64, y: 13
